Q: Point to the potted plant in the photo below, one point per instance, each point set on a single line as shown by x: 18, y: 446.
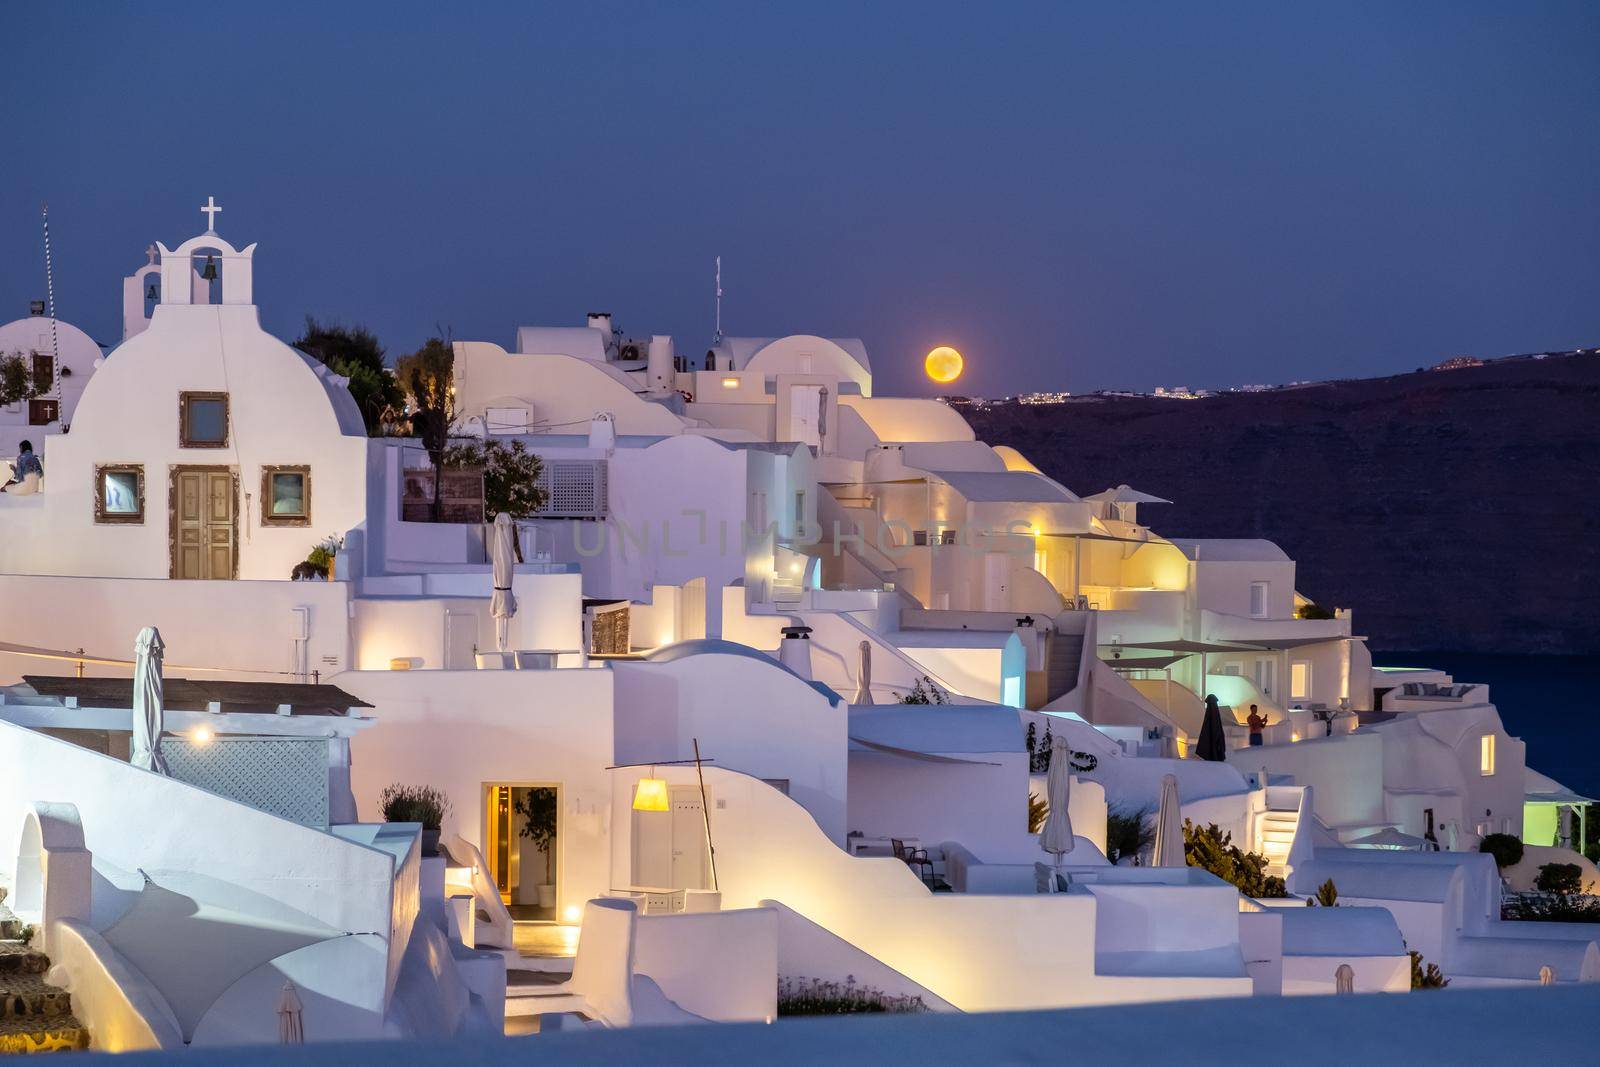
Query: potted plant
x: 417, y: 803
x: 538, y: 810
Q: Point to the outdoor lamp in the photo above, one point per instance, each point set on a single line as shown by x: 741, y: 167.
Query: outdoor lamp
x: 650, y: 795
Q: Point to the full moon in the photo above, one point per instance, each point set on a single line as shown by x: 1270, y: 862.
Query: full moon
x: 943, y: 364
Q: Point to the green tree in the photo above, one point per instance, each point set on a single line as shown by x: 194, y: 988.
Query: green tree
x: 428, y: 375
x: 1327, y: 896
x: 353, y: 352
x: 510, y: 477
x: 16, y: 378
x: 1211, y: 848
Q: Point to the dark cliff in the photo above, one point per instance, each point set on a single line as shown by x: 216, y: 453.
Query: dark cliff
x: 1452, y: 510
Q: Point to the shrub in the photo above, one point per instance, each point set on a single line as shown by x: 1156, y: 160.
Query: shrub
x: 921, y: 693
x: 415, y: 803
x: 814, y: 996
x: 1212, y: 849
x: 1327, y: 896
x: 1128, y: 833
x: 1429, y: 977
x: 1562, y: 878
x: 1038, y: 811
x: 1557, y: 909
x: 1506, y: 850
x: 1311, y: 610
x: 1039, y: 753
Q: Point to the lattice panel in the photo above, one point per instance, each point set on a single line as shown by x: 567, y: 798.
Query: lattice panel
x: 283, y: 776
x: 574, y: 488
x: 610, y: 635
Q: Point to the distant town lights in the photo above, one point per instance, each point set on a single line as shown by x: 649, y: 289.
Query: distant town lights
x: 944, y: 364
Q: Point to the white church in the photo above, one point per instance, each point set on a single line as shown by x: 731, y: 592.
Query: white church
x: 789, y: 686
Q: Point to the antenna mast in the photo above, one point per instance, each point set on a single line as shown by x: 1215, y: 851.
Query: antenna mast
x: 717, y: 340
x: 50, y: 295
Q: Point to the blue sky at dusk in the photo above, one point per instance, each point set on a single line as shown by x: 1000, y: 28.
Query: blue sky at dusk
x: 1078, y: 196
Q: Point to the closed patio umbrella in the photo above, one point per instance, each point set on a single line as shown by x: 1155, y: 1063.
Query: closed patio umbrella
x: 864, y: 675
x: 1056, y: 837
x: 1213, y: 745
x: 1169, y: 826
x: 503, y: 554
x: 291, y: 1021
x: 147, y: 710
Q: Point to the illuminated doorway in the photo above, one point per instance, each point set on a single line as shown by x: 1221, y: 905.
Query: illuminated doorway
x: 522, y: 835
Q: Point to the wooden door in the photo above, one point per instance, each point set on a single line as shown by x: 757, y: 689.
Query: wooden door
x: 204, y: 523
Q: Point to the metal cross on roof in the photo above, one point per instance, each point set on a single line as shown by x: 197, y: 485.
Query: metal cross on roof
x: 210, y: 209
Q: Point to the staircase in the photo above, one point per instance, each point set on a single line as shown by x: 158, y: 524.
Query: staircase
x: 1065, y: 658
x: 1274, y: 836
x: 34, y: 1015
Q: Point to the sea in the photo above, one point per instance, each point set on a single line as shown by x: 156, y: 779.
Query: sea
x: 1551, y: 702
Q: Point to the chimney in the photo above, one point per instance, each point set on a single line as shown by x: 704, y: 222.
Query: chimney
x: 36, y: 307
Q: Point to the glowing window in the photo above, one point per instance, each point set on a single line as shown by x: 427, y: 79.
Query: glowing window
x: 119, y: 494
x: 1300, y: 680
x: 1486, y: 755
x: 286, y: 496
x: 730, y: 383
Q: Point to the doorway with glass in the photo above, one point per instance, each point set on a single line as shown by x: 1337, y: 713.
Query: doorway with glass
x: 522, y: 832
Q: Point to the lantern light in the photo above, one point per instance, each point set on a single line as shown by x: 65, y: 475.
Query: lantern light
x: 651, y: 794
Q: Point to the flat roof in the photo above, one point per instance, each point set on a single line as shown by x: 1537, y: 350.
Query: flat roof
x: 183, y: 694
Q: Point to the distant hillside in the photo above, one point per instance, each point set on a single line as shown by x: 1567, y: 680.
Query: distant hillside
x: 1453, y: 510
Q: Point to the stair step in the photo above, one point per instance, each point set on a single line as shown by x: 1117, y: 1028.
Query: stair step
x: 54, y: 1034
x: 18, y: 958
x: 29, y: 995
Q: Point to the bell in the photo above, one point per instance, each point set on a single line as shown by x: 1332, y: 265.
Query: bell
x: 152, y: 293
x: 210, y: 271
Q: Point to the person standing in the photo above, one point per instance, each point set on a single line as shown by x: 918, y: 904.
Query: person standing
x: 1257, y: 723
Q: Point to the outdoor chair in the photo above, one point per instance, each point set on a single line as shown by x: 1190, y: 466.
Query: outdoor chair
x: 913, y: 857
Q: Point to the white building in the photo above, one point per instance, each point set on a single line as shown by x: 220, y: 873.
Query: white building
x: 692, y: 738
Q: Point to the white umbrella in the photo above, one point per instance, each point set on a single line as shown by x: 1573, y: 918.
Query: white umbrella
x: 291, y: 1024
x: 1344, y: 979
x: 1389, y: 838
x: 147, y: 710
x: 503, y: 554
x: 1056, y: 837
x: 1169, y: 826
x: 1124, y: 494
x: 864, y: 675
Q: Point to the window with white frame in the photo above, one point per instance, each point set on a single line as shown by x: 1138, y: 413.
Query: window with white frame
x: 1258, y: 599
x: 1300, y: 680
